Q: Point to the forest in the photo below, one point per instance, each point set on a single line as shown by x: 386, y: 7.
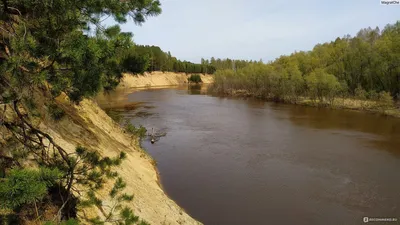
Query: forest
x: 145, y: 58
x: 364, y: 67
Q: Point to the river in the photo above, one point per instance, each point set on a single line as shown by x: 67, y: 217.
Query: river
x: 246, y: 161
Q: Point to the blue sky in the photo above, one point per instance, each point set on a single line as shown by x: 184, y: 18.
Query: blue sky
x: 256, y: 29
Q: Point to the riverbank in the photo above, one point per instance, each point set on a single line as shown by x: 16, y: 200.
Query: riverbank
x: 338, y: 103
x: 88, y: 125
x: 223, y: 150
x: 158, y: 79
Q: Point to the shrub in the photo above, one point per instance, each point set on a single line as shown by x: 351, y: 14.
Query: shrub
x: 56, y: 112
x: 373, y: 95
x: 137, y: 131
x: 385, y: 101
x: 114, y: 115
x: 360, y: 93
x: 195, y: 78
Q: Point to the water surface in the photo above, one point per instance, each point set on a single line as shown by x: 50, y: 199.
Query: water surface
x: 235, y: 161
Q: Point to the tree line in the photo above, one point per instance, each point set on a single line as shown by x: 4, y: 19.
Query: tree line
x: 145, y: 58
x: 142, y: 58
x: 223, y: 64
x: 366, y: 66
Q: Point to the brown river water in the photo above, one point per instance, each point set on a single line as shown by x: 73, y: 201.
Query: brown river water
x: 246, y: 161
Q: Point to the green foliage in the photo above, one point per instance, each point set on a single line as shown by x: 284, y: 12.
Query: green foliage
x: 91, y: 173
x: 91, y: 170
x: 30, y: 103
x: 126, y: 215
x: 322, y: 85
x: 343, y: 90
x: 360, y: 93
x: 226, y: 64
x: 385, y: 101
x: 195, y: 78
x: 52, y: 41
x: 118, y: 186
x: 114, y: 115
x: 55, y: 111
x: 373, y: 95
x: 53, y: 46
x: 154, y: 59
x: 267, y: 81
x: 23, y: 186
x: 135, y: 63
x: 360, y: 66
x: 139, y: 132
x: 117, y: 212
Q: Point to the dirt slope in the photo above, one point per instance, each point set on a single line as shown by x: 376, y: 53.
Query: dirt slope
x: 89, y: 126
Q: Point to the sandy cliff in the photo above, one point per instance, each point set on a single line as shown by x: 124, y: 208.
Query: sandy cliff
x: 155, y: 79
x: 90, y: 126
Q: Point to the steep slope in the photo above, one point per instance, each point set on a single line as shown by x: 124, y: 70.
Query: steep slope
x: 155, y: 79
x: 89, y: 126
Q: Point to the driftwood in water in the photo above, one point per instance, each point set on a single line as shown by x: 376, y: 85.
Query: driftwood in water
x: 155, y: 136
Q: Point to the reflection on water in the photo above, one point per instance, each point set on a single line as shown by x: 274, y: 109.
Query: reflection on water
x: 386, y: 129
x: 197, y: 89
x: 233, y: 161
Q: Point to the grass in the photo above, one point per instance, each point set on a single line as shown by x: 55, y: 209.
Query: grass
x: 355, y: 104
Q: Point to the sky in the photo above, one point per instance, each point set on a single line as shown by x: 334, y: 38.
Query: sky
x: 256, y: 29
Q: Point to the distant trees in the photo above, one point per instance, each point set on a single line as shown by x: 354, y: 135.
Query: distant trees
x: 366, y: 66
x: 369, y: 60
x: 135, y: 63
x: 222, y: 64
x: 143, y: 58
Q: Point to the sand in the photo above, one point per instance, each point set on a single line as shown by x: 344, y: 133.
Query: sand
x: 158, y: 79
x: 88, y: 125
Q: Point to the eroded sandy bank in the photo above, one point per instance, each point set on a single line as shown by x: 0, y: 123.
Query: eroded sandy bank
x: 158, y: 79
x: 88, y: 125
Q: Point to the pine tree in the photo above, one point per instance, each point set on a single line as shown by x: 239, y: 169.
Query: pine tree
x: 48, y: 47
